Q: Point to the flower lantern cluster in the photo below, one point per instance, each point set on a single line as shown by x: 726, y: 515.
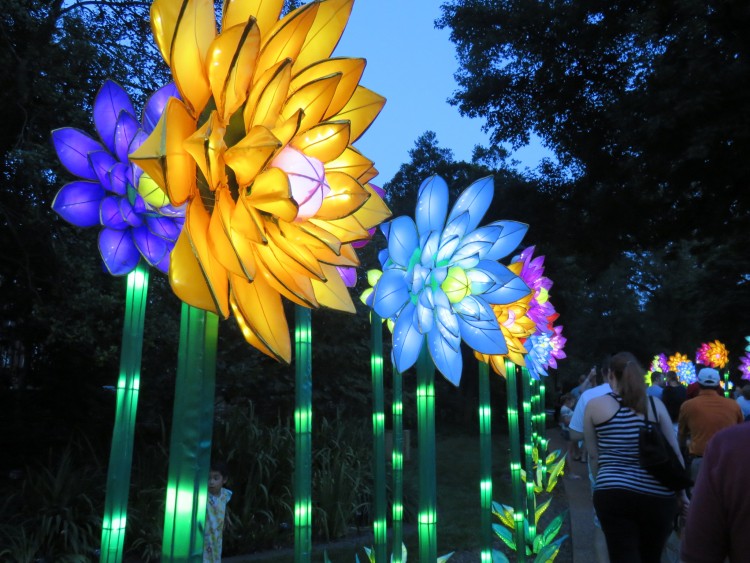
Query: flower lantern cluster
x: 135, y: 216
x: 675, y: 360
x: 259, y: 149
x: 712, y: 354
x: 686, y: 372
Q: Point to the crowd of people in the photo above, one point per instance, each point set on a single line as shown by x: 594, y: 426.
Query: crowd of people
x: 603, y: 419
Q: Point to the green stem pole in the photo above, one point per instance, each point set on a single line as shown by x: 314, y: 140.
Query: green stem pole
x: 427, y: 519
x: 528, y: 447
x: 128, y: 384
x: 542, y: 431
x: 519, y: 506
x: 378, y: 433
x: 190, y: 445
x: 485, y: 461
x: 303, y: 436
x: 727, y: 392
x: 397, y: 462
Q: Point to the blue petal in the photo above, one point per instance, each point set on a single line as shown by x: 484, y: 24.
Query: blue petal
x: 119, y: 178
x: 129, y: 214
x: 385, y: 228
x: 510, y: 292
x: 456, y: 227
x: 496, y: 283
x: 511, y: 236
x: 429, y: 250
x: 407, y: 340
x: 479, y: 327
x: 477, y: 243
x: 424, y: 315
x: 73, y: 147
x: 446, y: 250
x: 391, y: 293
x: 383, y: 257
x: 109, y: 103
x: 119, y: 253
x: 156, y: 104
x: 475, y: 200
x: 402, y: 240
x: 78, y: 203
x: 447, y: 360
x: 446, y: 322
x: 164, y: 227
x: 432, y: 205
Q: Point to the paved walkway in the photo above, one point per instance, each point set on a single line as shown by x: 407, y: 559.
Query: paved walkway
x: 584, y: 534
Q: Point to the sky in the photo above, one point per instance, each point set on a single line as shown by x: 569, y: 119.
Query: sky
x: 411, y: 64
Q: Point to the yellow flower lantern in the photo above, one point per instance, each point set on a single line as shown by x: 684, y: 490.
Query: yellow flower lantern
x: 259, y: 147
x: 675, y: 360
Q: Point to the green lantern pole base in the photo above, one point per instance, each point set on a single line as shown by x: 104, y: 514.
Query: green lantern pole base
x: 485, y: 461
x: 398, y: 468
x: 190, y: 445
x: 519, y: 505
x: 528, y: 449
x: 128, y: 384
x: 378, y: 433
x: 427, y: 519
x: 303, y: 435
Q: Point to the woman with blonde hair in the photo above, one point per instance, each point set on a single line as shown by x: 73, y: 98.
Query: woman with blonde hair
x: 635, y: 510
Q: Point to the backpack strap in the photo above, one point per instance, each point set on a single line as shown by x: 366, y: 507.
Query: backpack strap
x: 653, y: 407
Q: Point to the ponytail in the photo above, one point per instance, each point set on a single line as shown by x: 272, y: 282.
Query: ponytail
x: 631, y: 383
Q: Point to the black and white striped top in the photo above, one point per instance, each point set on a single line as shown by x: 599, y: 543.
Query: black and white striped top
x: 617, y: 440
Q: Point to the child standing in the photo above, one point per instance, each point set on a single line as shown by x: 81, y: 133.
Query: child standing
x: 216, y: 506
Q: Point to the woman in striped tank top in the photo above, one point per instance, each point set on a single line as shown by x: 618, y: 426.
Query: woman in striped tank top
x: 636, y: 512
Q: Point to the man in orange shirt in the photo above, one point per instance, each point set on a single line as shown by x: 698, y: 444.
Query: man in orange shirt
x: 704, y: 415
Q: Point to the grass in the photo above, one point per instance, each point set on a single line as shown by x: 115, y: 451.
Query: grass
x: 458, y: 502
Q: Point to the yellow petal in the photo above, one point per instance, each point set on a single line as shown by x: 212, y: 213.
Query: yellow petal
x: 350, y: 70
x: 197, y: 222
x: 374, y: 211
x: 346, y: 257
x: 321, y: 235
x: 231, y: 64
x: 363, y: 107
x: 290, y: 283
x: 268, y: 95
x: 266, y: 12
x: 333, y: 292
x: 207, y: 147
x: 163, y: 157
x: 287, y: 37
x: 248, y: 157
x: 326, y: 141
x: 345, y: 197
x: 347, y: 229
x: 249, y: 335
x: 186, y: 35
x: 367, y: 176
x: 350, y: 162
x: 313, y: 99
x: 288, y: 129
x: 244, y: 248
x: 299, y: 235
x: 218, y: 233
x: 247, y: 223
x: 325, y: 33
x: 302, y: 256
x: 262, y: 312
x: 186, y: 276
x: 271, y: 193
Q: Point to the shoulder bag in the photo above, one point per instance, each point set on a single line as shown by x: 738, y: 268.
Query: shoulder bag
x: 657, y: 456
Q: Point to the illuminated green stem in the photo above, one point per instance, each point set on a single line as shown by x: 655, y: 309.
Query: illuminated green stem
x: 727, y: 392
x: 528, y: 447
x: 128, y: 383
x: 378, y: 433
x: 543, y: 442
x: 397, y: 460
x: 485, y: 461
x: 427, y: 519
x: 303, y: 436
x: 190, y: 444
x: 519, y: 506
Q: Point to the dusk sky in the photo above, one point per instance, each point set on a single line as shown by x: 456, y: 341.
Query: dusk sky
x: 412, y: 64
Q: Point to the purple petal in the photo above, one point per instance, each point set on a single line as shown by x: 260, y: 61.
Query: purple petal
x: 110, y: 214
x: 125, y: 131
x: 118, y: 251
x: 349, y: 275
x: 164, y: 227
x: 129, y: 214
x: 101, y: 163
x: 139, y: 204
x: 110, y: 102
x: 78, y: 203
x: 73, y: 147
x: 163, y: 266
x: 156, y: 104
x: 138, y: 140
x: 119, y: 177
x: 152, y: 248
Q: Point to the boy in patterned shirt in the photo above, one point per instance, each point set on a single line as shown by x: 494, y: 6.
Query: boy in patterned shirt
x: 216, y: 506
